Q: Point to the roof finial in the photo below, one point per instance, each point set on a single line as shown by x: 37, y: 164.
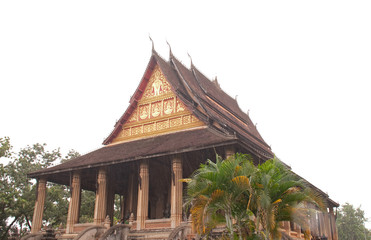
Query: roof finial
x: 153, y: 45
x: 248, y: 112
x: 235, y: 98
x: 191, y: 59
x: 170, y: 53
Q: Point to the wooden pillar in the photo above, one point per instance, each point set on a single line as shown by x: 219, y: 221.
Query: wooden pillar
x: 143, y: 191
x: 130, y: 195
x: 314, y: 224
x: 122, y: 207
x: 110, y: 199
x: 229, y: 151
x: 333, y: 225
x: 100, y: 209
x: 322, y: 226
x: 74, y: 206
x: 298, y: 230
x: 327, y: 225
x: 286, y: 226
x: 176, y: 192
x: 39, y: 206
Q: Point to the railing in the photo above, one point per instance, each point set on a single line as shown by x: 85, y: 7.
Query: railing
x: 32, y: 236
x: 90, y: 233
x: 117, y: 232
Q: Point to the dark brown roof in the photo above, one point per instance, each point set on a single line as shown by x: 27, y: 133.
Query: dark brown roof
x: 226, y: 123
x: 173, y: 143
x: 205, y: 99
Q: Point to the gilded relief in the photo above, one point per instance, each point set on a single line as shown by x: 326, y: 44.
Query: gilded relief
x: 158, y: 111
x: 162, y: 124
x: 156, y: 108
x: 176, y: 122
x: 147, y: 128
x: 168, y: 106
x: 179, y: 106
x: 134, y: 116
x: 144, y: 112
x: 157, y: 84
x: 136, y: 130
x: 187, y: 119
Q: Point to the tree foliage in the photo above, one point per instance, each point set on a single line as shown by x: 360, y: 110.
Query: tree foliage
x: 350, y: 223
x: 251, y: 200
x: 17, y: 192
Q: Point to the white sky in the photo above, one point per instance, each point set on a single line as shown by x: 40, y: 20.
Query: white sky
x: 68, y: 69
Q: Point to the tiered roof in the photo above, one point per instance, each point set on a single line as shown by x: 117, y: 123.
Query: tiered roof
x: 223, y: 122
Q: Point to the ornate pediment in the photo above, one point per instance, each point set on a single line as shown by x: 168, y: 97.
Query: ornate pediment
x: 158, y: 111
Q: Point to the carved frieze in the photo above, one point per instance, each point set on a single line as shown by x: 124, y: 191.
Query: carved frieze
x: 158, y: 111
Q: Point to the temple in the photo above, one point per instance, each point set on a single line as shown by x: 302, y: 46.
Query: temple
x: 177, y: 118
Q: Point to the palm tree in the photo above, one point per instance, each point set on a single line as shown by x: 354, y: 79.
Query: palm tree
x: 219, y: 193
x: 249, y: 200
x: 280, y: 195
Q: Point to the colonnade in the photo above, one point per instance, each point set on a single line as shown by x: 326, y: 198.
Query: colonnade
x: 104, y: 200
x: 323, y: 224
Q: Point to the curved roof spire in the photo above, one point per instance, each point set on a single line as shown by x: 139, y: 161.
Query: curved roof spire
x: 191, y: 59
x: 153, y: 45
x: 170, y: 53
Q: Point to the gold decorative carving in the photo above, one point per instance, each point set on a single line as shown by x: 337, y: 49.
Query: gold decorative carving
x: 187, y: 119
x: 158, y: 111
x: 176, y: 122
x: 162, y: 124
x: 156, y: 108
x: 136, y: 130
x: 134, y: 116
x: 147, y: 128
x: 144, y: 112
x: 168, y: 106
x: 157, y: 84
x: 179, y: 106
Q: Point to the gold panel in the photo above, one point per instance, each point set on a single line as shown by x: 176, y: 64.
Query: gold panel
x: 156, y: 109
x: 147, y: 128
x: 169, y: 106
x: 157, y: 84
x: 187, y: 119
x: 137, y: 130
x: 144, y: 112
x: 159, y: 111
x: 176, y: 122
x: 134, y: 116
x: 162, y: 124
x: 179, y: 106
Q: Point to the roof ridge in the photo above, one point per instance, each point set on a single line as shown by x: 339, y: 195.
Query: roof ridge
x: 197, y: 98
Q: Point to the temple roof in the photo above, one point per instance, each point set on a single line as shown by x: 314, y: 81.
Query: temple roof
x: 207, y: 101
x: 157, y: 146
x: 224, y: 124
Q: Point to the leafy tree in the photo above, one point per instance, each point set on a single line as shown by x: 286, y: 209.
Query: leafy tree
x: 279, y: 195
x: 250, y: 200
x: 17, y: 192
x: 5, y: 147
x: 87, y: 206
x: 350, y: 223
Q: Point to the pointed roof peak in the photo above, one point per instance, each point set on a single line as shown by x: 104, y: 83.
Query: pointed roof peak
x: 192, y: 66
x: 153, y: 44
x: 215, y: 81
x: 170, y: 52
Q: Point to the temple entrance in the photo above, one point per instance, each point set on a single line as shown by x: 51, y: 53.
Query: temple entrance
x: 159, y: 189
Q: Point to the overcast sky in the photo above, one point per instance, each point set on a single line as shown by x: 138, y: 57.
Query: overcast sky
x: 302, y: 68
